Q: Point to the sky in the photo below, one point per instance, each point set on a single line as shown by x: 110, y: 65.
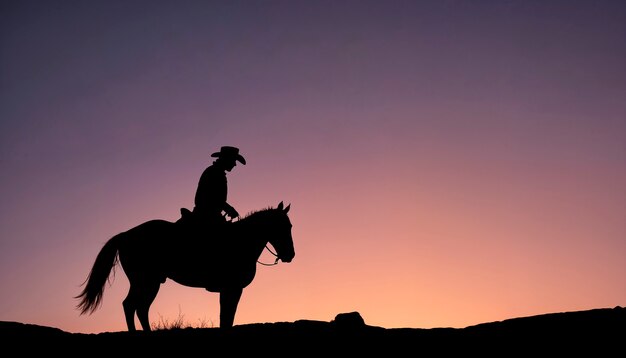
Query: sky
x: 448, y: 163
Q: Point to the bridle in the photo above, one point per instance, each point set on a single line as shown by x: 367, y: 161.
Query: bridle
x: 273, y: 253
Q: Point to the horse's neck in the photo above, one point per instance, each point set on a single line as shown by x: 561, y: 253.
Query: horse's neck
x: 251, y: 232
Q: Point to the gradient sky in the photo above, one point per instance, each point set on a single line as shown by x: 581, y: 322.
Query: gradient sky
x: 448, y: 163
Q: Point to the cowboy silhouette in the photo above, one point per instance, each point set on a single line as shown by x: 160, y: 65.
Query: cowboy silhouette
x: 211, y: 207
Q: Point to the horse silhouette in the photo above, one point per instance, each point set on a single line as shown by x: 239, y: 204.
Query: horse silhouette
x: 157, y: 250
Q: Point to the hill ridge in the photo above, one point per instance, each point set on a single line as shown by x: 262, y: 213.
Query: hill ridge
x: 617, y: 311
x: 594, y: 330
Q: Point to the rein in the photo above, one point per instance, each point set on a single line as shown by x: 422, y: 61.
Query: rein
x: 273, y: 253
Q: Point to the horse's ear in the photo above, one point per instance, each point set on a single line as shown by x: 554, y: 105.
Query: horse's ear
x: 287, y: 208
x: 280, y: 206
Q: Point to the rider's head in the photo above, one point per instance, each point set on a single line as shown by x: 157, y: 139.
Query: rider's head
x: 228, y: 157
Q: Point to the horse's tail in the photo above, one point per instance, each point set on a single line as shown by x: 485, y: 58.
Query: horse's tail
x: 91, y: 296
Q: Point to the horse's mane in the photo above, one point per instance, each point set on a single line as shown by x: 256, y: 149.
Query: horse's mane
x: 254, y: 212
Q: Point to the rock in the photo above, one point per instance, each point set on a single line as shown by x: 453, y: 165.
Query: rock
x: 349, y: 320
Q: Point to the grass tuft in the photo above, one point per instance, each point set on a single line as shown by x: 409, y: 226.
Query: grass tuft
x: 164, y: 324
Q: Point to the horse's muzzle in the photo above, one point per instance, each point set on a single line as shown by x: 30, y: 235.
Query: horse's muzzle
x: 287, y: 259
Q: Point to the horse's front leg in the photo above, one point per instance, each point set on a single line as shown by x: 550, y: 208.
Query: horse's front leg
x: 229, y: 299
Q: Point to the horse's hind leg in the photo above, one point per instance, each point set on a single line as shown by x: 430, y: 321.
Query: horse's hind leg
x: 130, y: 306
x: 148, y: 294
x: 140, y: 297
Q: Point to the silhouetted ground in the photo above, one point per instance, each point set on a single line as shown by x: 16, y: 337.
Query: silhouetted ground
x: 599, y: 332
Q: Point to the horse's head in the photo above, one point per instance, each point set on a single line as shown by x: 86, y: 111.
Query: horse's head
x: 282, y: 240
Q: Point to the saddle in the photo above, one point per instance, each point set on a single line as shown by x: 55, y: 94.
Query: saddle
x: 190, y: 222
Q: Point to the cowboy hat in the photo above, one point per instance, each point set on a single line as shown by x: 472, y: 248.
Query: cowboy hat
x: 229, y: 152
